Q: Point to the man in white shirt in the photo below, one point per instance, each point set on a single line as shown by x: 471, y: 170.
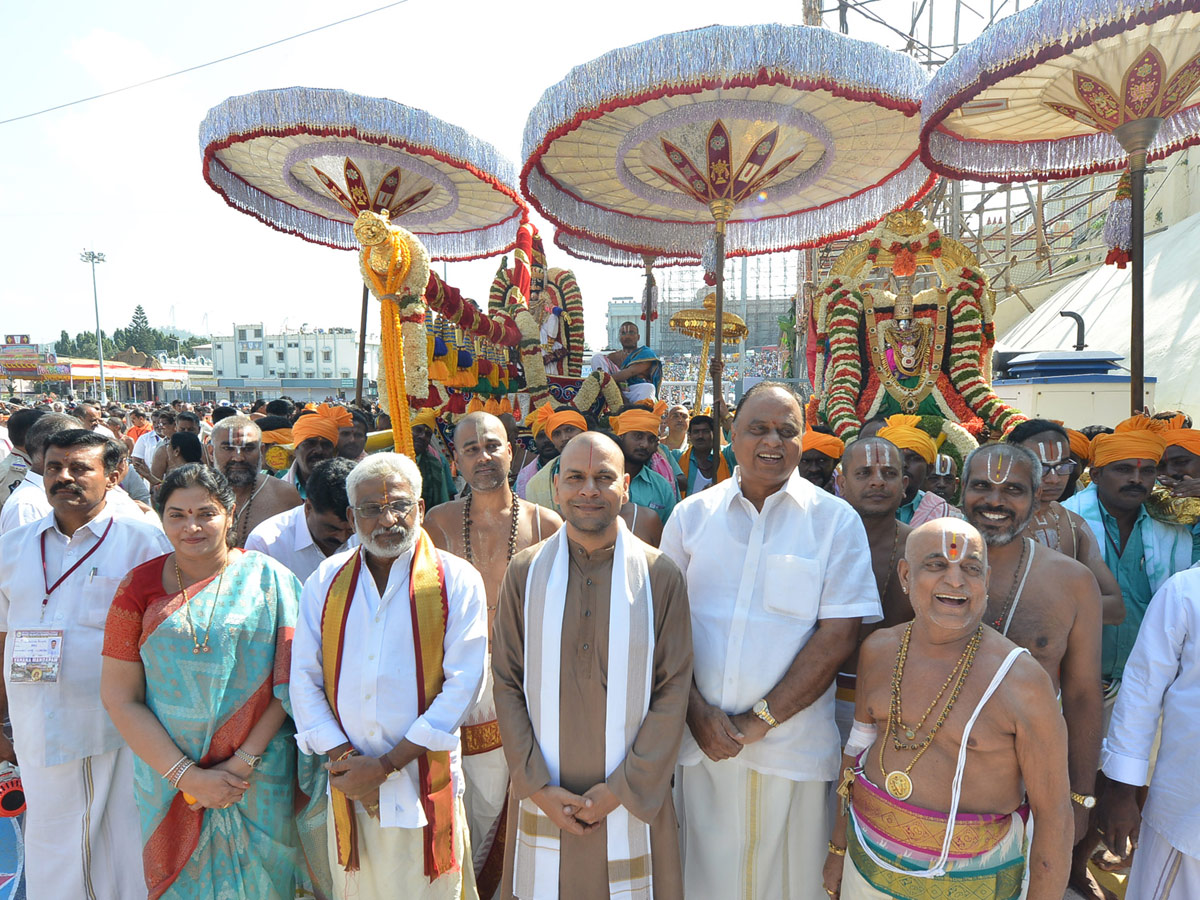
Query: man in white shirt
x: 15, y: 466
x: 779, y: 579
x: 93, y: 419
x: 59, y: 578
x: 30, y: 503
x: 163, y: 422
x: 388, y: 658
x: 305, y: 536
x: 1162, y: 678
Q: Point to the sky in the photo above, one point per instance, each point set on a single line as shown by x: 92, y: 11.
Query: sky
x: 122, y: 175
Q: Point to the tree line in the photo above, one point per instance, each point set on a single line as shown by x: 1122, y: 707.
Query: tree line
x: 139, y: 334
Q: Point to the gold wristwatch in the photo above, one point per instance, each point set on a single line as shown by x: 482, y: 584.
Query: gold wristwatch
x: 1087, y: 801
x: 763, y: 711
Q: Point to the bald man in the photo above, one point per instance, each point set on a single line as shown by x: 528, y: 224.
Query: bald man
x: 901, y: 774
x: 591, y: 814
x: 486, y: 528
x: 1042, y: 600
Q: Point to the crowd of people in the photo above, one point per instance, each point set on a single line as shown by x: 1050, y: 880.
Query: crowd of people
x: 666, y: 654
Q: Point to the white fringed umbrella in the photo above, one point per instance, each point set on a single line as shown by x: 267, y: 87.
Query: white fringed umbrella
x: 1066, y: 88
x: 782, y: 136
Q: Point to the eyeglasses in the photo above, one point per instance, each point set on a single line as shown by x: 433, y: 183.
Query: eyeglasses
x: 400, y: 508
x: 1066, y: 467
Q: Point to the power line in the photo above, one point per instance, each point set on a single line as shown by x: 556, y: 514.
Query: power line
x: 130, y: 87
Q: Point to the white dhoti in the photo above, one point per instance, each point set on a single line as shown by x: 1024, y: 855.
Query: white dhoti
x: 83, y: 835
x: 392, y: 863
x: 750, y: 836
x: 633, y: 393
x: 485, y: 771
x: 1160, y: 872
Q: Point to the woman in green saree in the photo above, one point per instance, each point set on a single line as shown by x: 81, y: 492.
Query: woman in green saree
x: 197, y: 652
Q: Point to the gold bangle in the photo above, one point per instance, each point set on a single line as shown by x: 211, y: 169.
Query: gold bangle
x: 349, y: 753
x: 836, y: 850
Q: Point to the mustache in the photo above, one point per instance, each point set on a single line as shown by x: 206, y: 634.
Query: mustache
x: 1133, y: 489
x: 67, y: 488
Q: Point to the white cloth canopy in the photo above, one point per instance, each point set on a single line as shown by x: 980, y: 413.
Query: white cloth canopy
x: 1102, y: 297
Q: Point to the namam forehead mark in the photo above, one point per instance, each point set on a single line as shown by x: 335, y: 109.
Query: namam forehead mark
x: 240, y: 437
x: 1052, y: 452
x: 943, y: 465
x: 998, y: 466
x: 879, y: 453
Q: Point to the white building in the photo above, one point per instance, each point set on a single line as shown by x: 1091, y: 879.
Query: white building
x: 308, y: 364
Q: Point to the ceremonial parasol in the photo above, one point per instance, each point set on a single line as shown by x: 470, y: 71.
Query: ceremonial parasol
x: 702, y: 325
x: 1067, y: 88
x: 782, y: 136
x: 307, y: 161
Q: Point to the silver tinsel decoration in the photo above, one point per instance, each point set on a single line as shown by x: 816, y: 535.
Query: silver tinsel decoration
x: 724, y: 57
x: 377, y: 121
x: 1046, y: 28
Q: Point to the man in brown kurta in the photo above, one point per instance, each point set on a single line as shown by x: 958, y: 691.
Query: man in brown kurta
x: 590, y: 489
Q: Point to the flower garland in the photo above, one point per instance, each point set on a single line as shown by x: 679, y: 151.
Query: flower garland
x: 595, y: 386
x: 904, y: 250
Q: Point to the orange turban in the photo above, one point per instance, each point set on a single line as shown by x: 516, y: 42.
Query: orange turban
x: 323, y: 422
x: 277, y: 436
x: 1138, y: 444
x: 639, y: 420
x: 1081, y: 446
x: 1187, y: 438
x: 904, y: 433
x: 1142, y: 423
x: 822, y: 443
x: 549, y: 418
x: 424, y: 416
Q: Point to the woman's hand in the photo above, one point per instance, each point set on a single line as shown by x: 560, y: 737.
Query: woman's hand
x: 235, y: 766
x: 213, y: 788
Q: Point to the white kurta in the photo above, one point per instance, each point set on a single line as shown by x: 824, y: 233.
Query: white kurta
x: 1162, y: 677
x: 76, y: 768
x: 377, y: 697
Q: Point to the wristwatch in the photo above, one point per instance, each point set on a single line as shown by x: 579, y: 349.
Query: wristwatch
x: 248, y: 759
x: 1087, y: 801
x: 763, y: 711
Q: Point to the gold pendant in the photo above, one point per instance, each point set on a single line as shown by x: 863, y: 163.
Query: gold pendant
x: 898, y: 784
x: 910, y: 734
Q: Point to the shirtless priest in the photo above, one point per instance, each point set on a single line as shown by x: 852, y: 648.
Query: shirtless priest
x: 486, y: 528
x: 938, y: 800
x: 592, y: 659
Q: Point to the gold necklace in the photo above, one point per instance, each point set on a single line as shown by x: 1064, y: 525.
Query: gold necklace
x: 899, y: 783
x: 197, y: 647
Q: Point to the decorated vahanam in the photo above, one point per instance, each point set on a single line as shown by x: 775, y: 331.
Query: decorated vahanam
x: 1066, y: 88
x: 307, y: 161
x: 926, y: 354
x: 765, y: 137
x: 338, y: 169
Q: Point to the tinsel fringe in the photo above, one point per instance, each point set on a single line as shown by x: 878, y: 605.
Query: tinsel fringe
x: 1041, y: 32
x: 721, y: 57
x: 1118, y: 225
x: 682, y: 243
x: 374, y: 120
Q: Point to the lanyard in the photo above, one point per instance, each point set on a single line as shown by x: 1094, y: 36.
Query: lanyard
x: 50, y: 589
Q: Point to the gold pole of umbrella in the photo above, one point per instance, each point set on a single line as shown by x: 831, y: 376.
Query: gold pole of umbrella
x: 721, y: 209
x: 701, y: 323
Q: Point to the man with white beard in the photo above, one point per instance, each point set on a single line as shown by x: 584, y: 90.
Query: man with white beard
x: 388, y: 658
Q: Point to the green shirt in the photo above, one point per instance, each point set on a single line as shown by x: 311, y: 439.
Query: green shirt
x: 1130, y: 569
x: 907, y: 510
x: 437, y: 482
x: 1196, y: 543
x: 651, y: 490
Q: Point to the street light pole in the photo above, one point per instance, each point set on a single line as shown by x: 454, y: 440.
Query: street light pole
x: 90, y: 256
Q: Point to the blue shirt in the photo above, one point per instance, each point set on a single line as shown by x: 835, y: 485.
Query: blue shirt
x: 1130, y: 568
x: 651, y: 490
